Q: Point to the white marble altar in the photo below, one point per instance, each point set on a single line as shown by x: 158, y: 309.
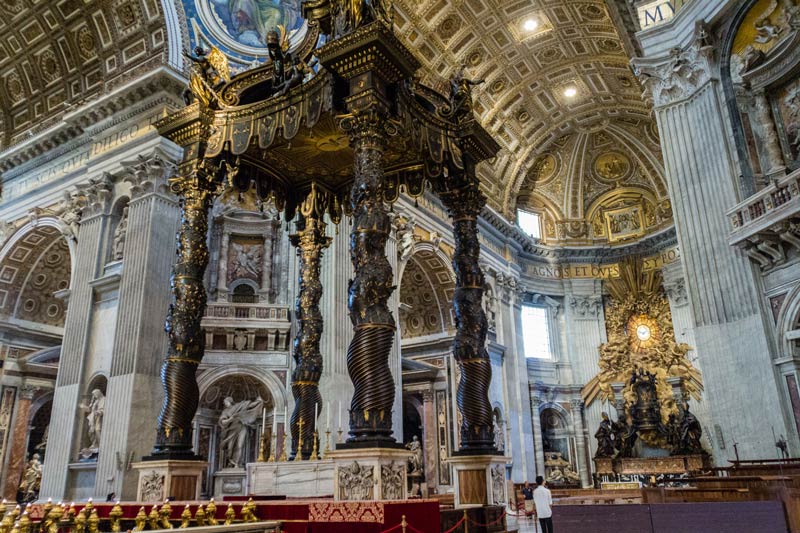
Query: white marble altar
x: 291, y: 478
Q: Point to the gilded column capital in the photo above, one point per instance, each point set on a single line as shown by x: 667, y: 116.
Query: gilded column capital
x: 679, y: 75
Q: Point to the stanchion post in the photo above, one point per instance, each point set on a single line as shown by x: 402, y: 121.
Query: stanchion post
x: 404, y: 524
x: 466, y: 522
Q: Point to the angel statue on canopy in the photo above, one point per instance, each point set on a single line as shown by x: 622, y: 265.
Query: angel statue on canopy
x: 209, y: 73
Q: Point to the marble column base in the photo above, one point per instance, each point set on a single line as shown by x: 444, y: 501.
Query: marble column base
x: 230, y: 482
x: 159, y: 480
x: 295, y: 479
x: 370, y: 474
x: 480, y: 480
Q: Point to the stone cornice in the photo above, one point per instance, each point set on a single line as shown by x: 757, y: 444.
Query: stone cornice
x: 531, y: 250
x: 88, y: 119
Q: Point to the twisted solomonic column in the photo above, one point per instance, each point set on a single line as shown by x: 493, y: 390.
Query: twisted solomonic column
x: 370, y: 289
x: 196, y: 188
x: 464, y: 203
x: 310, y: 241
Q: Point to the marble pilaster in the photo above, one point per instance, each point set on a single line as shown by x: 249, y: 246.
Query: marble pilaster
x: 66, y: 397
x: 133, y: 396
x: 17, y: 456
x: 576, y: 409
x: 429, y: 437
x: 538, y: 444
x: 722, y: 287
x: 525, y: 450
x: 585, y: 331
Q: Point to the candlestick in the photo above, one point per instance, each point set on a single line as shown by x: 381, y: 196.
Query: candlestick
x: 299, y: 452
x: 314, y: 451
x: 273, y: 445
x: 340, y: 435
x: 283, y: 457
x: 327, y: 450
x: 262, y: 449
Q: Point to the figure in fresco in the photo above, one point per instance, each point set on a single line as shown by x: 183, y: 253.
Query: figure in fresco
x: 250, y: 21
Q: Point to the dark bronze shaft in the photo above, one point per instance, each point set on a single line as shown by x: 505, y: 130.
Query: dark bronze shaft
x: 196, y: 189
x: 370, y: 289
x: 310, y: 241
x: 469, y: 347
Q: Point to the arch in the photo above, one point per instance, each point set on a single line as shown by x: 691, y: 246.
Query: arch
x: 36, y: 262
x: 426, y: 293
x: 276, y: 388
x: 788, y: 320
x: 747, y: 177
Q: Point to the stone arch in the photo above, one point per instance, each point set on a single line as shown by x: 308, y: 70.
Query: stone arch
x: 276, y: 388
x: 36, y: 262
x: 426, y: 293
x: 789, y: 320
x: 556, y: 429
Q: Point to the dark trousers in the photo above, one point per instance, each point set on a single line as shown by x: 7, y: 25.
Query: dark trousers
x: 547, y: 525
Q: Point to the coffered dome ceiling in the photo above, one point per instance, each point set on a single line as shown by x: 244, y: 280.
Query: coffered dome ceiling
x: 56, y: 55
x: 523, y: 102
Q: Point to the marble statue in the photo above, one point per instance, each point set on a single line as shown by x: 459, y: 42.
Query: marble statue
x: 605, y: 438
x: 689, y: 433
x: 95, y: 410
x: 405, y: 238
x: 415, y: 462
x: 499, y: 436
x: 570, y: 476
x: 119, y: 235
x: 31, y: 479
x: 234, y: 422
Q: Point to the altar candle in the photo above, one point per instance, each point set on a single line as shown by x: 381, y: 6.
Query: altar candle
x: 340, y: 414
x: 274, y: 422
x: 328, y: 417
x: 263, y: 420
x: 316, y: 413
x: 285, y: 416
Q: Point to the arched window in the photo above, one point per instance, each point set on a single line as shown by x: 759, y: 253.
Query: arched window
x: 244, y: 294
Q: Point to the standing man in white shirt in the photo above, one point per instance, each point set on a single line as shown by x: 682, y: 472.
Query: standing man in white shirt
x: 544, y: 503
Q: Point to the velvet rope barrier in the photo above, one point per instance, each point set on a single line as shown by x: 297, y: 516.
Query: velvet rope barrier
x: 492, y: 523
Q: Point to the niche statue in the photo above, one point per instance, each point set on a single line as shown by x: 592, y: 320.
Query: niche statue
x: 235, y: 422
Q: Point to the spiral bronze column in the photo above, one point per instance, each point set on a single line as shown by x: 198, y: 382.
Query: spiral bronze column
x: 464, y: 203
x: 310, y: 241
x: 196, y: 188
x: 370, y: 289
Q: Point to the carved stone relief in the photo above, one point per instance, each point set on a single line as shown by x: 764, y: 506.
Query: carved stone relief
x: 392, y: 479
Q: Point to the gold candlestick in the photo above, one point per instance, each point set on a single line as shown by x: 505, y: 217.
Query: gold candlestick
x: 283, y: 457
x: 274, y: 444
x: 340, y: 435
x: 262, y: 449
x: 314, y: 450
x: 299, y: 453
x: 327, y: 449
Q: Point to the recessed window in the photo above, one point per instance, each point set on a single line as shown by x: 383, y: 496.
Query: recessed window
x: 530, y: 222
x: 536, y: 332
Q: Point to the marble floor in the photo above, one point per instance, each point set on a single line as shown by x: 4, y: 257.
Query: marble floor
x: 522, y: 525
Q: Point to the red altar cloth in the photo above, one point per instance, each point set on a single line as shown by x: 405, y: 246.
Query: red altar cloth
x: 306, y: 516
